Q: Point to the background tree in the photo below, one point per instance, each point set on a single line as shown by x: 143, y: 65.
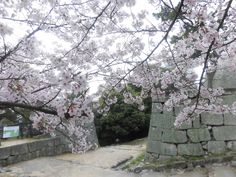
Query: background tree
x: 123, y: 122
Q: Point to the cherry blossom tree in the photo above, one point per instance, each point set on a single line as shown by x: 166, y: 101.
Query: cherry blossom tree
x: 118, y: 41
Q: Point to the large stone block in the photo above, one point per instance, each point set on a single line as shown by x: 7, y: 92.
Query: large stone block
x: 12, y: 160
x: 216, y: 147
x: 231, y: 145
x: 32, y: 155
x: 199, y: 135
x: 229, y: 99
x: 229, y: 119
x: 196, y: 123
x: 190, y: 149
x: 152, y: 146
x: 158, y: 147
x: 59, y: 149
x: 50, y: 151
x: 174, y: 136
x: 211, y: 119
x: 223, y: 78
x: 3, y: 162
x: 5, y: 152
x: 19, y: 149
x: 34, y: 146
x: 155, y: 133
x: 38, y: 153
x: 168, y: 149
x: 164, y: 121
x: 224, y: 133
x: 23, y: 157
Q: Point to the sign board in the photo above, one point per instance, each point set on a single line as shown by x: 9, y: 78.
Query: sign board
x: 10, y: 132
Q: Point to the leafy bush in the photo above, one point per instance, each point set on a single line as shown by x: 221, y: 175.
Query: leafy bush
x: 123, y: 122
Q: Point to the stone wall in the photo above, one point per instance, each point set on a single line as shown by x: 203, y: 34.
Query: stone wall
x: 22, y: 152
x: 208, y: 134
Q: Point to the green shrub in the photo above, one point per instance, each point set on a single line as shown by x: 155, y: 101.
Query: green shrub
x: 124, y: 122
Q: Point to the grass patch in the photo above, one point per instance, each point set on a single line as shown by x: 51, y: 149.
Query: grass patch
x: 134, y: 162
x: 193, y: 158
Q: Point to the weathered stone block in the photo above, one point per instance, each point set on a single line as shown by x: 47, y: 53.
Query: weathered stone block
x: 229, y: 119
x: 216, y: 147
x: 5, y: 152
x: 196, y: 123
x: 59, y: 149
x: 67, y: 148
x: 19, y: 149
x: 38, y: 153
x: 168, y: 149
x: 229, y: 99
x: 32, y: 155
x: 190, y: 149
x: 23, y: 157
x: 231, y: 145
x: 224, y: 133
x: 165, y: 120
x: 223, y: 78
x: 50, y: 151
x: 198, y: 135
x: 158, y: 147
x: 3, y: 162
x: 34, y: 146
x: 152, y: 146
x: 211, y: 119
x: 12, y: 160
x: 50, y: 142
x: 155, y: 133
x: 174, y: 136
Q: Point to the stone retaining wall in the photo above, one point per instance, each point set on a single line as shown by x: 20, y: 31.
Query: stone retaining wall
x: 206, y: 135
x: 21, y: 152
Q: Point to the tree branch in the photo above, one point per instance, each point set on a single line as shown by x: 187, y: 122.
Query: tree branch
x: 6, y: 104
x: 208, y: 54
x: 158, y: 45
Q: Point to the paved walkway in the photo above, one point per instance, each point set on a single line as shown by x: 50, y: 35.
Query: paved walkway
x: 99, y: 164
